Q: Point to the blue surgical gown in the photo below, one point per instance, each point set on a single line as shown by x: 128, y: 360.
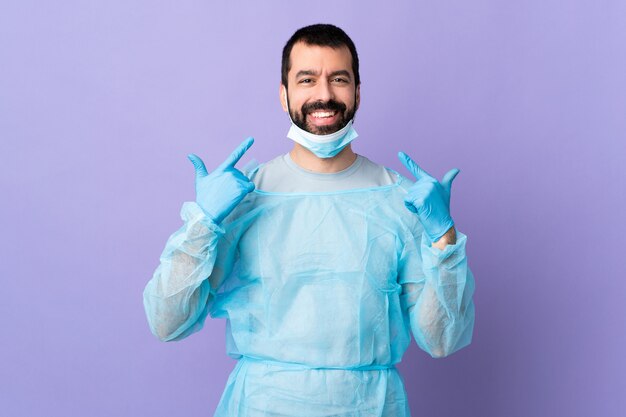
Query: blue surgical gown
x: 321, y: 293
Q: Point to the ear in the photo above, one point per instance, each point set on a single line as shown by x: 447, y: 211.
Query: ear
x: 282, y: 92
x: 357, y: 96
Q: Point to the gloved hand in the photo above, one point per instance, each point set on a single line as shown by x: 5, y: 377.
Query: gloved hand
x: 219, y: 192
x: 429, y: 198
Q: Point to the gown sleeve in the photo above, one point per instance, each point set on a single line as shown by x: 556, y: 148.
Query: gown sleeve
x: 192, y: 266
x: 437, y: 291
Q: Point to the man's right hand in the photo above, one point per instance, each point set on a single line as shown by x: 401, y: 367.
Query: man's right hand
x: 219, y: 192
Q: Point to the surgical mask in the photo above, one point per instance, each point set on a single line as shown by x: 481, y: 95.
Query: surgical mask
x: 323, y: 146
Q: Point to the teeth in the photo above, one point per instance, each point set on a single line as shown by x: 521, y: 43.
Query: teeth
x: 322, y: 114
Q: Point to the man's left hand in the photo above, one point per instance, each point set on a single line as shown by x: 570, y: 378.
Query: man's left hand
x: 430, y: 200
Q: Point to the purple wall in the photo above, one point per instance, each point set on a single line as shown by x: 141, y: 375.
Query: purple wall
x: 100, y: 102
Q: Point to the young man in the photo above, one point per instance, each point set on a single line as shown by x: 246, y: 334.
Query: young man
x: 322, y: 262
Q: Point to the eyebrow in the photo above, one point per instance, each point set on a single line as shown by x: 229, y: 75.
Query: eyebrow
x: 332, y: 74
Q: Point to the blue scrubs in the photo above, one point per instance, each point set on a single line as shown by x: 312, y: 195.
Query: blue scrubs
x: 321, y: 292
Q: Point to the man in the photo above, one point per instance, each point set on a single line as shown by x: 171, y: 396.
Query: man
x: 322, y: 262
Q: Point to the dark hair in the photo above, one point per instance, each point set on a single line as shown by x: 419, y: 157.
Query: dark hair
x: 320, y: 35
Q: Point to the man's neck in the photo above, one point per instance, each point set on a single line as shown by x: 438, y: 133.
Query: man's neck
x: 309, y: 161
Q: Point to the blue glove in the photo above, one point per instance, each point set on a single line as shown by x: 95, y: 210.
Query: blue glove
x: 429, y: 198
x: 218, y: 193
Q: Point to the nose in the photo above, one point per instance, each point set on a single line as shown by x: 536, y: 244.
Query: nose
x: 324, y: 91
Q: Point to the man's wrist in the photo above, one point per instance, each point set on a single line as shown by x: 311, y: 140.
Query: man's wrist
x: 449, y: 238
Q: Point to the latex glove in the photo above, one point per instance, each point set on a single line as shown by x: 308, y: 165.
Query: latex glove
x: 429, y: 198
x: 219, y: 192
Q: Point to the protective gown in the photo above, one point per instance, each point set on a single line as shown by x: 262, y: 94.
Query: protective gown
x: 321, y: 292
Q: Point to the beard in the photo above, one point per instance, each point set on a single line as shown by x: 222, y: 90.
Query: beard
x: 345, y: 115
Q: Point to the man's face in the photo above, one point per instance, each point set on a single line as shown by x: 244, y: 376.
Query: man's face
x: 322, y: 95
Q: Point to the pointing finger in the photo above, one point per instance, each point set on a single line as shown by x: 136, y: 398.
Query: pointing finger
x: 237, y: 153
x: 198, y: 165
x: 449, y: 177
x: 418, y: 172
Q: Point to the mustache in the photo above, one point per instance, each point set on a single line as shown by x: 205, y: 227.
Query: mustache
x: 330, y: 105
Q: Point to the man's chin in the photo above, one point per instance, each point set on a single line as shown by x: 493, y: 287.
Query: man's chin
x: 325, y: 130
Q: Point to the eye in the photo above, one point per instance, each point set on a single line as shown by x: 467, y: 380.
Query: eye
x: 340, y: 80
x: 305, y: 81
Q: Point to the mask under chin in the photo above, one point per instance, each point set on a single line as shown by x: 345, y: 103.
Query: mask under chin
x: 323, y: 146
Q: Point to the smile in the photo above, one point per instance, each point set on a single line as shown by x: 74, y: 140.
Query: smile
x: 323, y: 114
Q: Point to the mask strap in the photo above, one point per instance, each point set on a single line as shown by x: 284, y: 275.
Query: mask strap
x: 287, y: 102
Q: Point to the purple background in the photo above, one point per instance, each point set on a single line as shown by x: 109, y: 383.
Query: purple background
x: 100, y: 102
